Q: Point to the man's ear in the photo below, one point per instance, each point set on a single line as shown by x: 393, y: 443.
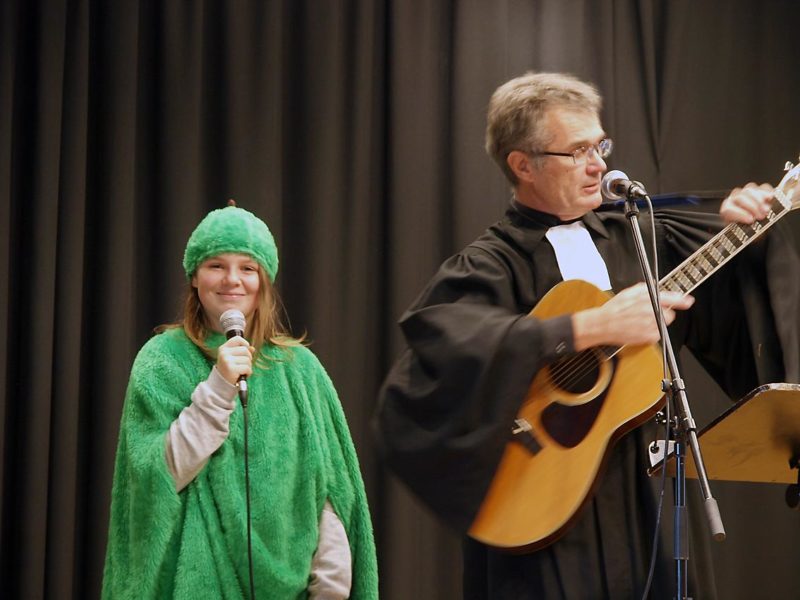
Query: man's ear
x: 520, y: 164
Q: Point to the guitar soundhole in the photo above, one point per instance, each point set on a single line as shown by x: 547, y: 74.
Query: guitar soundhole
x: 569, y: 425
x: 576, y: 374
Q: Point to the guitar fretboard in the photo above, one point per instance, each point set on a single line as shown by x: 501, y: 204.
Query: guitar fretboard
x: 715, y: 253
x: 721, y: 248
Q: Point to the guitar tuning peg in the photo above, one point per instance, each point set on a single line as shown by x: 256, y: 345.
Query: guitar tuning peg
x: 789, y: 166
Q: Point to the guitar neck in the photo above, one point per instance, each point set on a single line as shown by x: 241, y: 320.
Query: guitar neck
x: 720, y: 249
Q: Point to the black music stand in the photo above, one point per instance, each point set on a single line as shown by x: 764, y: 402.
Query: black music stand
x: 757, y: 439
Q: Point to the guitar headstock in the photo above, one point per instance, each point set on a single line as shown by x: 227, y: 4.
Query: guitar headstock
x: 787, y: 189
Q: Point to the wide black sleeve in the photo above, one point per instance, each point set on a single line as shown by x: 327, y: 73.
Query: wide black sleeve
x: 446, y: 408
x: 744, y: 328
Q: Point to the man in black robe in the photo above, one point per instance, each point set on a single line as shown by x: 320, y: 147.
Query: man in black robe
x: 447, y: 406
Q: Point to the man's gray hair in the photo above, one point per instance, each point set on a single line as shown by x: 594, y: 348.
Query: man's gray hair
x: 517, y: 109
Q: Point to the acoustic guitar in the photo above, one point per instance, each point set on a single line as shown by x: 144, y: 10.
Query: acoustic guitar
x: 578, y: 406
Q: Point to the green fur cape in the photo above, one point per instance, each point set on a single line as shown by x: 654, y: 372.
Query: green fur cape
x: 193, y: 544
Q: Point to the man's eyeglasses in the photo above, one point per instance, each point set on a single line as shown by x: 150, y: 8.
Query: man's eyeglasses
x: 581, y: 155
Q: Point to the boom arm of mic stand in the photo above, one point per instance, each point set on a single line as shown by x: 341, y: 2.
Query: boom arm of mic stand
x: 686, y: 427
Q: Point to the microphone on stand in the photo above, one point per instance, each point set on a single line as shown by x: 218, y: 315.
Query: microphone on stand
x: 617, y: 186
x: 233, y: 323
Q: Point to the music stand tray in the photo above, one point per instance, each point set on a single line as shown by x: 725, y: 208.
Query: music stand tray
x: 757, y: 439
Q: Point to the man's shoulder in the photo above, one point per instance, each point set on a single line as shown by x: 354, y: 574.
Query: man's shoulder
x: 506, y: 237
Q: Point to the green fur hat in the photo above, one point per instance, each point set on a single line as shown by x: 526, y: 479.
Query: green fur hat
x: 231, y: 229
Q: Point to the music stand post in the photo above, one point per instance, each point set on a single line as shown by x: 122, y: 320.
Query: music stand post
x: 683, y: 426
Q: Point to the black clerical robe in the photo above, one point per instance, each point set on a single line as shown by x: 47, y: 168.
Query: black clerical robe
x: 448, y: 403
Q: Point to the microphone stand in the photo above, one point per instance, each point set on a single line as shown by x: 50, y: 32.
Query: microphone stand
x: 683, y: 427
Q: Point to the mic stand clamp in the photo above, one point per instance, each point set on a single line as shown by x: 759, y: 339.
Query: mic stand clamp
x: 683, y: 427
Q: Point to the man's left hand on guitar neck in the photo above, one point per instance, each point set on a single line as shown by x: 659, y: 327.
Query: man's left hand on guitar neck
x: 747, y: 204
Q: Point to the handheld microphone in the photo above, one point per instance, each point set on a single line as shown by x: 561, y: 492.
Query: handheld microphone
x: 233, y: 323
x: 617, y: 186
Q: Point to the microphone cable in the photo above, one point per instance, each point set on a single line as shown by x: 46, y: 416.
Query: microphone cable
x: 233, y: 323
x: 665, y: 380
x: 243, y: 398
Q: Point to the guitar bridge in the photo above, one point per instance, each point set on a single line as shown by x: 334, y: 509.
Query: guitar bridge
x: 522, y: 432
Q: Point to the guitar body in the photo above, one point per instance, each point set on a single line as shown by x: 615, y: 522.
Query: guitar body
x: 574, y: 411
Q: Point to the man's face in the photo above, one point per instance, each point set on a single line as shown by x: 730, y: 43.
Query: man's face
x: 560, y: 187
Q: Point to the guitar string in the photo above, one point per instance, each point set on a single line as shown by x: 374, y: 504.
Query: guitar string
x: 575, y: 368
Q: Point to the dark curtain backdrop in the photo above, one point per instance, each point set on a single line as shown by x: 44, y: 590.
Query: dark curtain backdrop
x: 354, y: 128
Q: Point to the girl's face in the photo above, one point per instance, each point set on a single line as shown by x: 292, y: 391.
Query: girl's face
x: 227, y: 281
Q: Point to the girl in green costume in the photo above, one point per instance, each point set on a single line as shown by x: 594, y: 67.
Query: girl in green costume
x: 178, y: 512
